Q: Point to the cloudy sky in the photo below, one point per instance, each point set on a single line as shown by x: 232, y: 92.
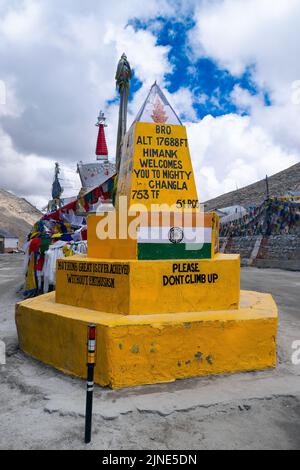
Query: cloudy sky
x: 230, y: 68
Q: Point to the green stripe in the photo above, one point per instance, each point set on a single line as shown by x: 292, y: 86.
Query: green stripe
x: 157, y: 251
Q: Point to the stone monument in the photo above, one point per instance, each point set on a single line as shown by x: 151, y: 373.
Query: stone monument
x: 166, y: 303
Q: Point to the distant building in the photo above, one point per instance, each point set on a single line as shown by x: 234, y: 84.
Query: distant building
x: 219, y: 212
x: 232, y: 213
x: 8, y: 242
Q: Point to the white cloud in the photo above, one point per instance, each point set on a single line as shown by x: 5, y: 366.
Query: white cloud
x: 32, y: 175
x: 182, y: 101
x: 22, y: 24
x: 9, y: 105
x: 230, y: 152
x: 244, y: 100
x: 238, y: 33
x: 262, y: 35
x: 59, y: 60
x: 150, y: 61
x: 29, y: 173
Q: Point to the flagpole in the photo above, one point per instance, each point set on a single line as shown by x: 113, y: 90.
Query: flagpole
x: 123, y: 77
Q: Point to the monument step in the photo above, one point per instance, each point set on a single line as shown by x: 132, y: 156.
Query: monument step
x: 149, y: 287
x: 148, y: 349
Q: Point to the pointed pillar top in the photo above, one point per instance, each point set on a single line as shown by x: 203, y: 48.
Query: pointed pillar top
x: 157, y: 108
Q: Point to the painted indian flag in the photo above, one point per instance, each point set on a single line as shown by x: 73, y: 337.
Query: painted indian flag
x: 190, y: 238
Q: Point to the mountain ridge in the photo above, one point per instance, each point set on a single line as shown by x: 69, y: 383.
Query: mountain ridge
x: 17, y: 215
x: 255, y: 193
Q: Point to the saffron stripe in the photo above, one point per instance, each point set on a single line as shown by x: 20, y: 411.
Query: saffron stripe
x: 175, y: 219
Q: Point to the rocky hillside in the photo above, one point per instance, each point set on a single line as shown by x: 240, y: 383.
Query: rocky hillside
x: 17, y: 215
x: 253, y: 195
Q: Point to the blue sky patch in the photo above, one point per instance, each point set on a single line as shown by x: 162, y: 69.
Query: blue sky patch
x: 211, y: 86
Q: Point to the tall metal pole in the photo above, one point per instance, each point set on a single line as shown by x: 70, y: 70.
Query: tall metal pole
x: 267, y: 187
x: 123, y: 77
x: 57, y: 190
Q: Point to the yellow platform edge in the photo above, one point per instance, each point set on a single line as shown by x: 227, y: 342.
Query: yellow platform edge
x: 147, y: 349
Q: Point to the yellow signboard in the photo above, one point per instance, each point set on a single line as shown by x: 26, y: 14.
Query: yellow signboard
x: 156, y: 167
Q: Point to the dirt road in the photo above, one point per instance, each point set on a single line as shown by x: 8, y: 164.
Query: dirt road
x: 43, y: 409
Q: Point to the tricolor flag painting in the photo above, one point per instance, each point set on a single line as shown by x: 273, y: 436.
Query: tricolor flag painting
x: 170, y: 240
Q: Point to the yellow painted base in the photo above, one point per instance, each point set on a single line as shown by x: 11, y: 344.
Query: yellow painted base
x: 122, y: 243
x: 147, y: 349
x: 149, y: 287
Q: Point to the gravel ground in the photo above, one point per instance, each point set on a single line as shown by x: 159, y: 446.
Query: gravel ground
x: 43, y: 409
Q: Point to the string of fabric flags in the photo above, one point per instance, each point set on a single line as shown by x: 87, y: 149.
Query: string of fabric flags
x: 105, y: 192
x: 274, y: 216
x: 57, y: 235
